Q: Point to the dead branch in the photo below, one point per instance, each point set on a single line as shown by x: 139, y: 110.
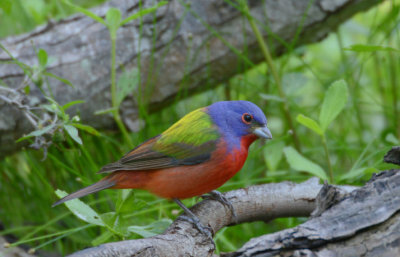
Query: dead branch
x: 366, y: 222
x: 347, y: 222
x: 178, y: 53
x: 262, y: 202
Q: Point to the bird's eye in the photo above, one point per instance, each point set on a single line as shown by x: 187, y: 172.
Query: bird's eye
x: 247, y: 118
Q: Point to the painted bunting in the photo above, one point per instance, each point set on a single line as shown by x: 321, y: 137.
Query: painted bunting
x: 194, y: 156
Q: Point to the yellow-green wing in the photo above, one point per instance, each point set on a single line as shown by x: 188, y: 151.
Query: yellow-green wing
x: 189, y: 141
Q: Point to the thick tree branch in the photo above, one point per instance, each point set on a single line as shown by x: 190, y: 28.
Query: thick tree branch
x: 178, y: 53
x: 364, y: 223
x: 348, y: 221
x: 393, y: 156
x: 263, y: 202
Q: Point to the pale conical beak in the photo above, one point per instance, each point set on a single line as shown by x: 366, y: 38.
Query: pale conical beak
x: 263, y: 132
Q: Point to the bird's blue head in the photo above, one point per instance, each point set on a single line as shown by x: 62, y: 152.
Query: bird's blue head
x: 237, y: 119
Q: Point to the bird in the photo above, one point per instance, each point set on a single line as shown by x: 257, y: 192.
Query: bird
x: 193, y: 157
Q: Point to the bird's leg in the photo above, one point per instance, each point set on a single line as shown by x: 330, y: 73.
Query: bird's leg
x: 192, y: 218
x: 217, y: 196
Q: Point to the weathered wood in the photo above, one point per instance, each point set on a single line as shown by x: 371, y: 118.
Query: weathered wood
x: 365, y: 222
x: 344, y: 221
x: 263, y: 202
x: 351, y: 222
x: 393, y: 156
x: 177, y: 52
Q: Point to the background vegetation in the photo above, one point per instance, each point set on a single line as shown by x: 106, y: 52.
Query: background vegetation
x: 363, y: 53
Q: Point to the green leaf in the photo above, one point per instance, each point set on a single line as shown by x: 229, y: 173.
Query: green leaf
x: 37, y: 133
x: 113, y: 19
x: 137, y: 205
x: 104, y: 111
x: 27, y: 89
x: 300, y: 163
x: 309, y: 123
x: 115, y: 223
x: 153, y: 229
x: 6, y: 5
x: 86, y: 128
x: 370, y: 48
x: 125, y: 198
x: 65, y: 81
x: 55, y: 108
x: 42, y: 56
x: 73, y: 132
x: 127, y: 83
x: 102, y: 238
x: 85, y: 12
x: 351, y: 174
x: 67, y: 105
x: 271, y: 97
x: 392, y: 139
x: 334, y: 102
x: 273, y: 152
x: 49, y: 108
x: 143, y: 12
x: 81, y: 210
x: 354, y: 173
x: 109, y: 218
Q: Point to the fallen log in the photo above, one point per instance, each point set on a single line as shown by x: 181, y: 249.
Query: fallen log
x: 344, y: 221
x: 184, y: 47
x: 263, y: 202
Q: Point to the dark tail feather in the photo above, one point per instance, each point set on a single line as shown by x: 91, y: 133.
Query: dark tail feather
x: 102, y: 184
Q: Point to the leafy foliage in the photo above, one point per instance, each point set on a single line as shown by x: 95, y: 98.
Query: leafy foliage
x: 334, y: 102
x: 61, y: 122
x: 343, y: 92
x: 370, y: 48
x: 310, y: 123
x: 82, y: 210
x: 300, y: 163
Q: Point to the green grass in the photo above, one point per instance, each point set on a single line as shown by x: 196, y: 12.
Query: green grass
x: 357, y: 139
x: 24, y: 15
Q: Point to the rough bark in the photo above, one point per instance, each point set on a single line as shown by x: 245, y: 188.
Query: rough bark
x: 177, y: 52
x: 393, y: 156
x: 263, y: 202
x: 366, y: 222
x: 348, y: 221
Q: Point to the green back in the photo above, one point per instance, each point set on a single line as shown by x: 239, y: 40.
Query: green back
x: 189, y: 141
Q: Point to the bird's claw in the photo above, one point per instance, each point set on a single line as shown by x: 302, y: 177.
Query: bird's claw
x: 197, y: 223
x: 217, y: 196
x: 192, y: 218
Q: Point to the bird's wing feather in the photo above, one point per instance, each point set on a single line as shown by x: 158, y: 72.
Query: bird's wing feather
x: 189, y: 141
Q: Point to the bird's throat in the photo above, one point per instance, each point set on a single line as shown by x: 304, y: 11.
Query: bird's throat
x: 246, y: 141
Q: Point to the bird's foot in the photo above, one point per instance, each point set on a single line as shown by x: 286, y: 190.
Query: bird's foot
x: 192, y: 218
x: 207, y: 231
x: 217, y: 196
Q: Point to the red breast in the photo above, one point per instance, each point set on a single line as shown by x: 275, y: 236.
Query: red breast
x: 188, y: 181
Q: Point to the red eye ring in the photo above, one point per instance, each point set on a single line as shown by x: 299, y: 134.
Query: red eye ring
x: 247, y: 118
